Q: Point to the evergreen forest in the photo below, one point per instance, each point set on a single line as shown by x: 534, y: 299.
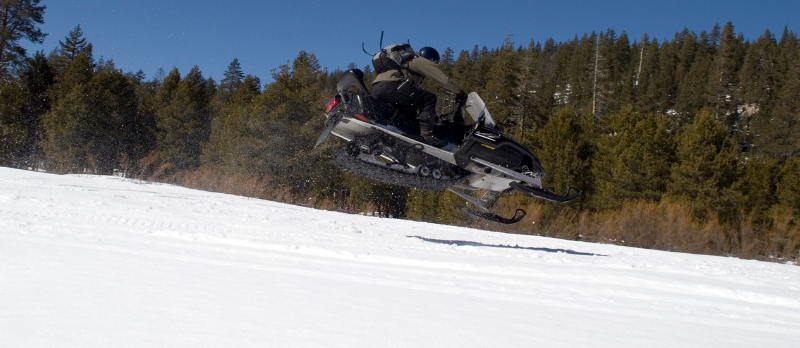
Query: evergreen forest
x: 690, y: 144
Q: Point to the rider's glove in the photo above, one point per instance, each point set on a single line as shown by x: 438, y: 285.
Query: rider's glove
x: 461, y: 97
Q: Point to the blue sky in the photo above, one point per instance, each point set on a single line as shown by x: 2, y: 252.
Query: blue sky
x: 148, y: 34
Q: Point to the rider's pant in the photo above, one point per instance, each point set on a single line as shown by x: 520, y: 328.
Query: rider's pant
x: 408, y: 94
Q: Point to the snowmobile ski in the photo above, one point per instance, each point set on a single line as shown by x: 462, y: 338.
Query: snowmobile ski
x: 518, y: 215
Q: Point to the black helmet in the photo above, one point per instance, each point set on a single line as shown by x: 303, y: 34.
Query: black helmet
x: 429, y: 53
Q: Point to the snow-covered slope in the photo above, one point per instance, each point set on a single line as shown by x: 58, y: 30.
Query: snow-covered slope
x: 89, y: 261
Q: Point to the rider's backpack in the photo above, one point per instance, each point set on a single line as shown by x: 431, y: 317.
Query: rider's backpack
x: 392, y: 57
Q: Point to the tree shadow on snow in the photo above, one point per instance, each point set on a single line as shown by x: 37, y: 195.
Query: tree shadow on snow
x: 466, y: 243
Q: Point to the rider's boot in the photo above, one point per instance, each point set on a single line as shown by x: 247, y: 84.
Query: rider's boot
x: 426, y: 132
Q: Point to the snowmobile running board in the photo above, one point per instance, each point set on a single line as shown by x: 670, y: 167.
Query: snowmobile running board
x: 536, y: 190
x: 544, y: 194
x: 509, y: 172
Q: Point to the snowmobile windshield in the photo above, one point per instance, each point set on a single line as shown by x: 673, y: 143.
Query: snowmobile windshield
x: 477, y: 109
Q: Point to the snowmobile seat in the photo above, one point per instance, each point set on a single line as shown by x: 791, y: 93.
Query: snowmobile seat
x: 401, y: 116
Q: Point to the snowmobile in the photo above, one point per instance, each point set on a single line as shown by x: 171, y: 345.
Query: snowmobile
x: 479, y: 163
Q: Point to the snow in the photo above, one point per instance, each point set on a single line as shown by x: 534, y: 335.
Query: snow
x: 93, y: 261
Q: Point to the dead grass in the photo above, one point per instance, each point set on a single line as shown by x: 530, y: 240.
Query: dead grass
x: 661, y: 225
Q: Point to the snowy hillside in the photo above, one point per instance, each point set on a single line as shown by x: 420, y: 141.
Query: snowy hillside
x: 91, y: 261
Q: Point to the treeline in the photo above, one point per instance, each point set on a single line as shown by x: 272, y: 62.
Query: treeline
x: 689, y: 144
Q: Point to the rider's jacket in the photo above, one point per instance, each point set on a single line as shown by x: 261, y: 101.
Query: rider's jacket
x: 416, y: 70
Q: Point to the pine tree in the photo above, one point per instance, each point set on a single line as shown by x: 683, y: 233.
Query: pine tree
x: 788, y: 187
x: 446, y: 61
x: 722, y: 79
x: 621, y: 71
x: 22, y: 103
x: 502, y: 88
x: 527, y: 117
x: 66, y: 122
x: 665, y: 82
x: 579, y: 88
x: 604, y: 64
x: 481, y: 64
x: 548, y: 77
x: 89, y: 127
x: 757, y: 184
x: 649, y: 96
x: 72, y: 46
x: 228, y: 127
x: 758, y: 87
x: 462, y: 70
x: 19, y: 19
x: 111, y: 125
x: 183, y: 124
x: 692, y: 93
x: 278, y: 129
x: 779, y: 135
x: 13, y: 133
x: 633, y: 159
x: 143, y: 136
x: 65, y: 150
x: 788, y: 46
x: 565, y: 152
x: 686, y: 47
x: 167, y: 87
x: 706, y: 168
x: 234, y: 76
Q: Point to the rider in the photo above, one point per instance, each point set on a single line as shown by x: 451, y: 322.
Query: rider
x: 402, y: 87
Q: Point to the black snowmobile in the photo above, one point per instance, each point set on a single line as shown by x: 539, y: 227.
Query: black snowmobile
x: 479, y: 163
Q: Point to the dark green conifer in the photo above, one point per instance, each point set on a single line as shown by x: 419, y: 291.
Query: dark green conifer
x: 234, y: 76
x: 19, y: 20
x: 502, y: 88
x: 13, y: 133
x: 780, y: 136
x: 633, y: 158
x: 648, y: 94
x: 722, y: 78
x: 758, y: 86
x: 788, y: 187
x: 23, y: 101
x: 757, y: 184
x: 72, y: 46
x: 706, y: 167
x: 621, y: 73
x: 692, y: 93
x: 446, y: 61
x: 566, y: 151
x: 67, y: 122
x: 461, y: 71
x: 183, y: 124
x: 226, y: 145
x: 94, y: 123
